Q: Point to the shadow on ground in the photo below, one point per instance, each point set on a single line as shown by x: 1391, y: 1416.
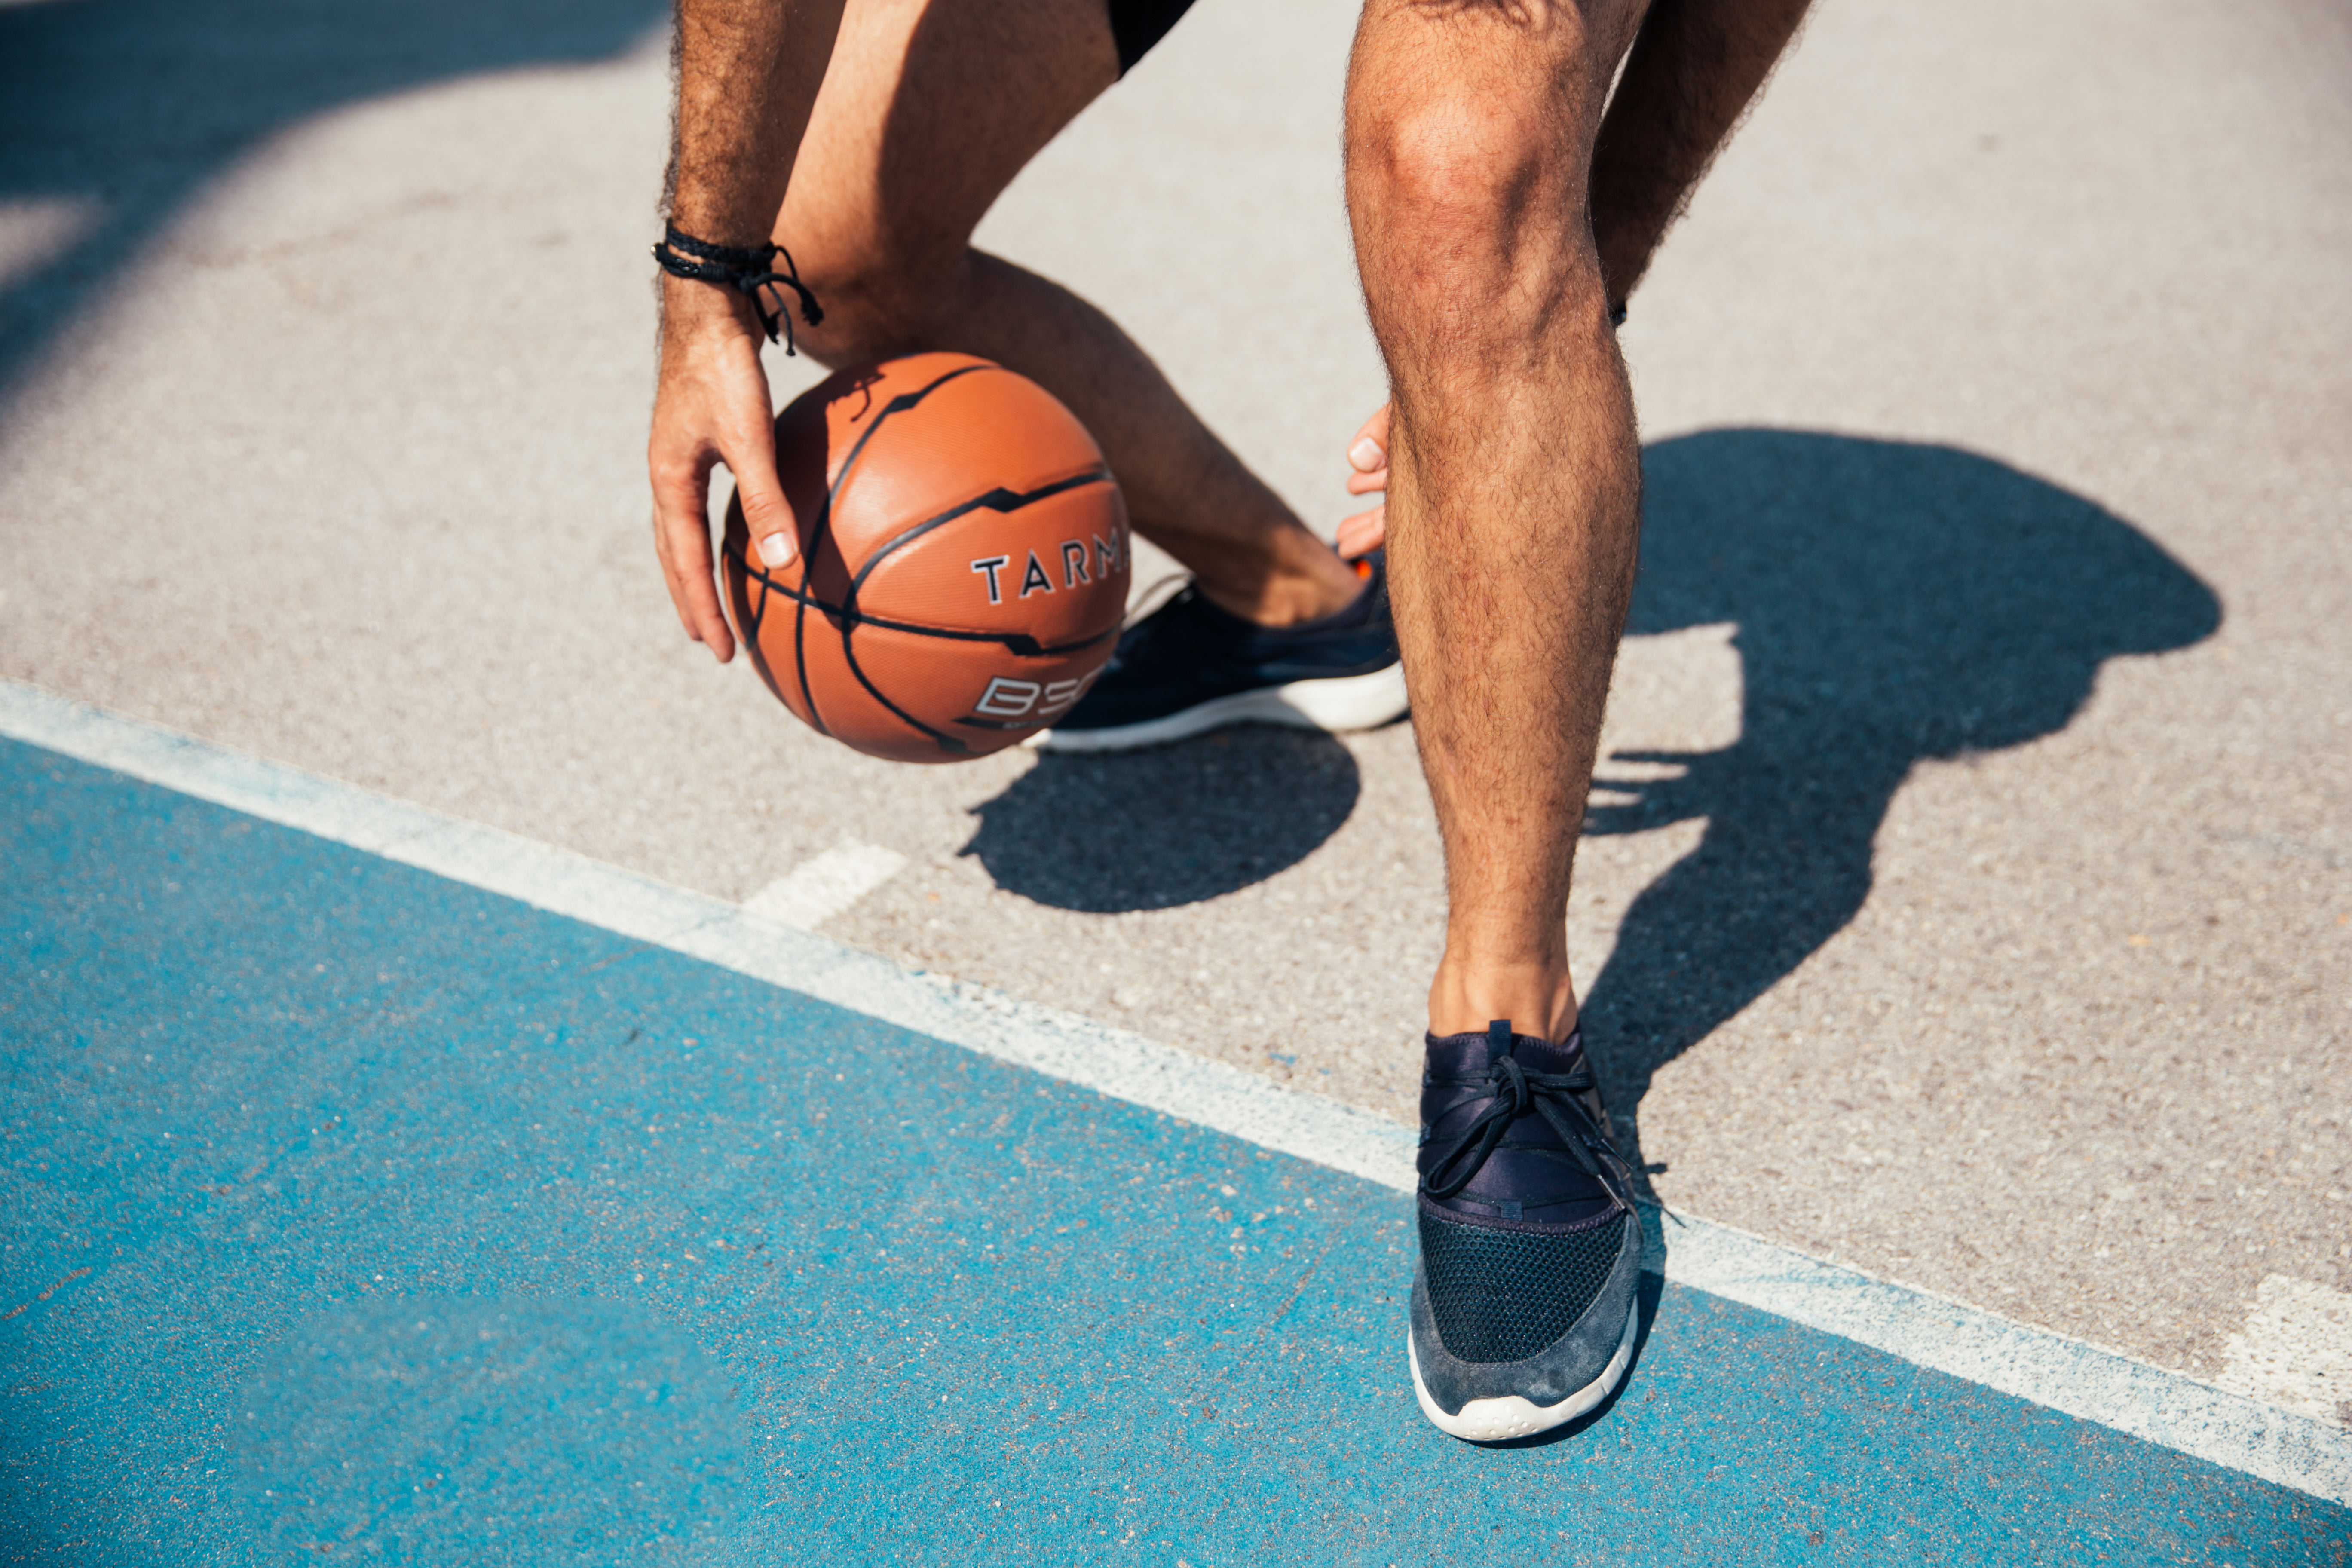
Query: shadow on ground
x: 127, y: 109
x: 1175, y: 825
x: 1894, y: 603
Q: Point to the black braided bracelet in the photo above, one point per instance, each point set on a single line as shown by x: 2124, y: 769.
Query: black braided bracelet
x: 746, y: 269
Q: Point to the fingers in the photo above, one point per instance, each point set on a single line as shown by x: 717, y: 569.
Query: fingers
x: 682, y: 540
x: 711, y: 407
x: 1368, y: 456
x: 1368, y: 460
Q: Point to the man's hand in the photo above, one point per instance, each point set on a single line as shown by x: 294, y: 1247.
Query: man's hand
x: 712, y: 407
x: 1367, y: 458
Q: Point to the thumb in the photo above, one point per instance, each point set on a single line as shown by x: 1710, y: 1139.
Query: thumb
x: 1367, y: 453
x: 767, y: 516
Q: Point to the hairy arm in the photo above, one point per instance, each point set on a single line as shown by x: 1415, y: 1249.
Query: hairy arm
x: 748, y: 72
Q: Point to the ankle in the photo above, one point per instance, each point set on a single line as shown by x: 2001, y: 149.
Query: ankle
x: 1538, y: 998
x: 1294, y: 577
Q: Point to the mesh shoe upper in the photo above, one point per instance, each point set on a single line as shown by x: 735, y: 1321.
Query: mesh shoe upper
x: 1503, y: 1295
x: 1523, y: 1201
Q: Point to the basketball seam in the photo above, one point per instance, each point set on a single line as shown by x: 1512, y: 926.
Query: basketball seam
x: 904, y: 401
x: 996, y: 500
x: 800, y: 661
x: 852, y: 617
x: 1019, y: 643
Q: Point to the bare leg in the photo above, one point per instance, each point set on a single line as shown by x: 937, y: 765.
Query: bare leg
x: 1695, y: 66
x: 929, y: 108
x: 1514, y: 490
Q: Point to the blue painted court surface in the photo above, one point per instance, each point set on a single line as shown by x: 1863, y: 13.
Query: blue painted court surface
x: 356, y: 1215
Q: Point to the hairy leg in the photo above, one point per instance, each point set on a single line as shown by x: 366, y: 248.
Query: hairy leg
x: 1513, y: 489
x: 1695, y: 66
x: 928, y: 111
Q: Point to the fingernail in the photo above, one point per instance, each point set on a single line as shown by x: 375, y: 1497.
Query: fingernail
x: 776, y: 549
x: 1367, y: 454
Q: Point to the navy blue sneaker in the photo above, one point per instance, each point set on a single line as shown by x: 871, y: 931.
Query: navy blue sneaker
x: 1190, y: 667
x: 1524, y: 1301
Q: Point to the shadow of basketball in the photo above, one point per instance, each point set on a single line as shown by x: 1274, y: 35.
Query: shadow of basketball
x: 1894, y: 603
x: 1175, y: 825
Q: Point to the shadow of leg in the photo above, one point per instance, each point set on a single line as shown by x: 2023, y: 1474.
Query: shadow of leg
x: 1785, y: 864
x: 1895, y: 603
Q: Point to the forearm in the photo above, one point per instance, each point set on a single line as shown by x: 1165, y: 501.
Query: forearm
x: 748, y: 73
x: 1695, y: 68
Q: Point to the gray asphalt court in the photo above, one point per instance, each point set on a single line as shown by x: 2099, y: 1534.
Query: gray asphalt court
x: 1968, y: 896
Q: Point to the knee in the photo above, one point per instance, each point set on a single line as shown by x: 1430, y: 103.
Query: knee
x: 1446, y: 168
x: 1468, y: 189
x: 1465, y: 193
x: 878, y: 302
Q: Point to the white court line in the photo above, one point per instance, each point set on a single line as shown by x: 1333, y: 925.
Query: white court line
x: 824, y: 886
x: 2065, y: 1374
x: 2296, y: 1351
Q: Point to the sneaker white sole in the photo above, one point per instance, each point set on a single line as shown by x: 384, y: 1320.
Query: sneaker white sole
x: 1335, y: 704
x: 1492, y: 1420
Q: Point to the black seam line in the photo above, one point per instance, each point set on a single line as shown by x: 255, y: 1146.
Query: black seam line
x: 946, y: 742
x: 755, y: 609
x: 898, y: 404
x: 999, y: 500
x: 1019, y: 643
x: 820, y: 534
x: 800, y: 659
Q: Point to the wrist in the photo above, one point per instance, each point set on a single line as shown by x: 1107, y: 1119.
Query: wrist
x: 752, y: 272
x: 690, y: 306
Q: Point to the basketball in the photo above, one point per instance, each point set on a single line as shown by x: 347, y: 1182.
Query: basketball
x: 963, y: 560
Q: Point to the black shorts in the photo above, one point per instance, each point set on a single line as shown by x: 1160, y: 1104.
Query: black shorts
x: 1137, y: 25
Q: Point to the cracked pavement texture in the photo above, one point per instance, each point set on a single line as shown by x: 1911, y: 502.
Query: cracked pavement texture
x: 1969, y: 892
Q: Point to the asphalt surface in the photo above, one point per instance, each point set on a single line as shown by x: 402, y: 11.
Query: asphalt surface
x: 1971, y: 900
x: 389, y: 1220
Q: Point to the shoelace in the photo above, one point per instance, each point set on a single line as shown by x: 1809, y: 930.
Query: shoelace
x: 1510, y: 1089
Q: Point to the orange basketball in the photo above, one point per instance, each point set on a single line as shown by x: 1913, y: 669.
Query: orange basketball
x: 963, y: 560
